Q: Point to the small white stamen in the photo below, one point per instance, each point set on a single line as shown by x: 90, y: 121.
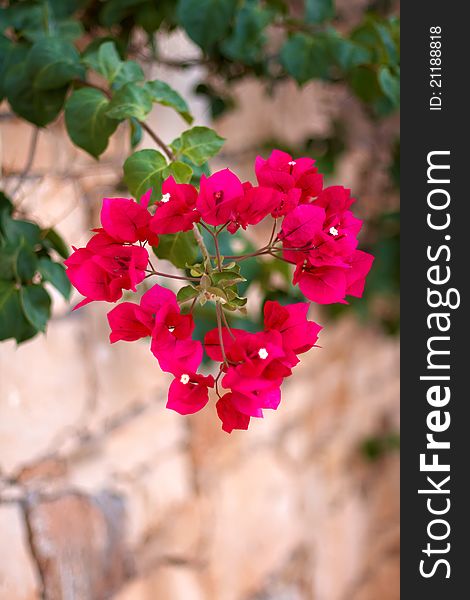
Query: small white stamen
x: 165, y: 197
x: 333, y: 231
x: 184, y: 378
x: 171, y: 328
x: 292, y: 163
x: 263, y: 353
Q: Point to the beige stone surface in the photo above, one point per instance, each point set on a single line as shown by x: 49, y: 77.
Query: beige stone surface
x: 18, y: 575
x: 177, y: 583
x: 43, y: 391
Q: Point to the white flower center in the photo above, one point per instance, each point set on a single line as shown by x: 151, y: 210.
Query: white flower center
x: 171, y: 328
x: 333, y: 231
x: 165, y: 197
x: 184, y: 378
x: 263, y: 353
x: 292, y: 163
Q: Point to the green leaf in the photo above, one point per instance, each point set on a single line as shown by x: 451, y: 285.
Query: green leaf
x: 163, y: 94
x: 150, y: 17
x: 206, y: 21
x: 363, y: 80
x: 26, y: 263
x: 8, y: 262
x: 247, y: 41
x: 36, y: 304
x: 181, y: 172
x: 5, y: 49
x: 136, y: 132
x: 6, y: 207
x: 55, y: 273
x: 188, y: 292
x: 179, y: 248
x: 13, y: 323
x: 317, y: 11
x: 378, y: 37
x: 226, y: 278
x: 15, y: 231
x: 86, y: 120
x: 347, y: 53
x: 65, y: 8
x: 144, y: 170
x: 198, y: 170
x: 108, y: 63
x: 36, y: 106
x: 54, y: 241
x: 115, y: 11
x: 130, y: 100
x: 218, y: 293
x: 52, y: 63
x: 390, y: 85
x: 198, y: 144
x: 306, y: 57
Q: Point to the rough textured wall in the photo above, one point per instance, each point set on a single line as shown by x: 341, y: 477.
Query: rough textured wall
x: 106, y: 494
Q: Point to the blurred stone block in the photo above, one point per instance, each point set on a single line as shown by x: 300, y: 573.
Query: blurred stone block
x: 78, y: 543
x: 18, y: 575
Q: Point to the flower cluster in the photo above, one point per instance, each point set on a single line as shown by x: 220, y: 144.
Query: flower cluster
x: 313, y: 229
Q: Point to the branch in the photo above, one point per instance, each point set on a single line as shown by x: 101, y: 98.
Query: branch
x: 181, y: 277
x: 29, y: 161
x: 166, y: 149
x: 160, y: 143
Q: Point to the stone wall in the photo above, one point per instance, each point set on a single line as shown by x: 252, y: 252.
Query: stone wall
x: 106, y: 494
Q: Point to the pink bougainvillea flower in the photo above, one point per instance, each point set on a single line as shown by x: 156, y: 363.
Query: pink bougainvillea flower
x: 233, y: 344
x: 301, y: 227
x: 176, y: 211
x: 171, y: 343
x: 159, y: 316
x: 129, y: 322
x: 189, y: 392
x: 218, y: 197
x: 230, y: 416
x: 104, y: 268
x: 335, y: 200
x: 289, y: 200
x: 298, y: 333
x: 283, y: 173
x: 256, y: 204
x: 258, y: 377
x: 125, y: 220
x: 361, y: 263
x: 325, y: 285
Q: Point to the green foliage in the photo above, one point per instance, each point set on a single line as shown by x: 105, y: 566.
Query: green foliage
x: 248, y: 39
x: 107, y: 62
x: 87, y: 122
x: 206, y: 21
x: 130, y: 100
x: 27, y: 262
x: 198, y: 144
x: 144, y: 170
x: 306, y: 57
x: 318, y: 11
x: 179, y: 248
x: 375, y: 447
x: 52, y: 63
x: 165, y: 95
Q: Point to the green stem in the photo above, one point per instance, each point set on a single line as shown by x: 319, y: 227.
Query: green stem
x: 221, y: 337
x: 202, y: 246
x: 160, y: 274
